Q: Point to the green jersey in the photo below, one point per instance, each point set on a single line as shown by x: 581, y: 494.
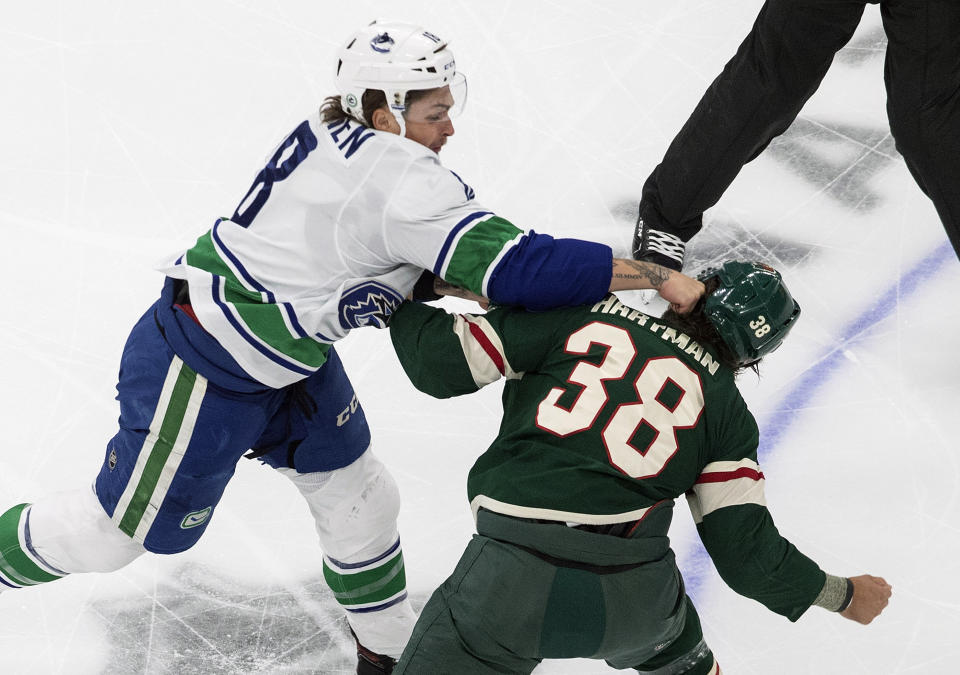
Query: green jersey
x: 609, y: 412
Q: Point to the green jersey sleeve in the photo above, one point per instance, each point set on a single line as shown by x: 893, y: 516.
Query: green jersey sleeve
x: 448, y: 355
x: 728, y: 505
x: 757, y: 562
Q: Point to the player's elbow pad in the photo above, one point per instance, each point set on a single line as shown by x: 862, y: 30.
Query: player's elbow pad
x: 541, y: 272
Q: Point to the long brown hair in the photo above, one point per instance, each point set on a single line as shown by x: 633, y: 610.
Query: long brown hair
x: 332, y: 108
x: 696, y: 324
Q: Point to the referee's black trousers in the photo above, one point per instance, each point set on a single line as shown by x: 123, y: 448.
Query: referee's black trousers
x: 779, y: 66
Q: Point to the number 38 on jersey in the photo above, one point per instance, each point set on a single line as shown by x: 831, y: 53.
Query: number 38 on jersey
x: 648, y: 409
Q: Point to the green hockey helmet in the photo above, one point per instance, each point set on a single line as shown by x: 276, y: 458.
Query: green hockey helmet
x: 751, y: 308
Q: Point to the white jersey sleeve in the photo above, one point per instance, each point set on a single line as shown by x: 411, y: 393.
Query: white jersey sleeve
x: 436, y: 222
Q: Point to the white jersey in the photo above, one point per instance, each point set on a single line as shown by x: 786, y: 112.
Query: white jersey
x: 334, y: 233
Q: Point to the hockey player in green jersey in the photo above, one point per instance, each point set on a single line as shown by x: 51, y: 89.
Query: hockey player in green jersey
x: 610, y: 414
x: 238, y: 352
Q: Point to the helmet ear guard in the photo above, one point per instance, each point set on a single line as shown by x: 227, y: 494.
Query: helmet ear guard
x: 751, y: 308
x: 392, y: 57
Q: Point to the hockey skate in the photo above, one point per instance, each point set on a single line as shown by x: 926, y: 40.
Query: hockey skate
x: 371, y: 663
x: 650, y: 245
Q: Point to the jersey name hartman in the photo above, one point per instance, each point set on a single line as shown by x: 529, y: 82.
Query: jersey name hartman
x: 611, y: 305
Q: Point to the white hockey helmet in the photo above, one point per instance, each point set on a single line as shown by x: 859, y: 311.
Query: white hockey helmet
x: 394, y: 57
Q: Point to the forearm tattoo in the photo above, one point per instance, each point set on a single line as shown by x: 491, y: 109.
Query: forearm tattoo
x: 652, y: 272
x: 442, y: 287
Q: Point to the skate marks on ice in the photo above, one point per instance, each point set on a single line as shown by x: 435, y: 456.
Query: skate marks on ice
x: 198, y: 621
x: 724, y: 240
x: 866, y: 45
x: 839, y: 161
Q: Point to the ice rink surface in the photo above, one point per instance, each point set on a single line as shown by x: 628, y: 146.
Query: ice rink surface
x: 127, y: 128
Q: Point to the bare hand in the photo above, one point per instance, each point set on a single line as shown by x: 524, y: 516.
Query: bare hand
x: 682, y: 292
x: 870, y: 596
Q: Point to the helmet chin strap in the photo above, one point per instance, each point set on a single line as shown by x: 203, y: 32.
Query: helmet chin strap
x: 398, y: 107
x: 399, y: 117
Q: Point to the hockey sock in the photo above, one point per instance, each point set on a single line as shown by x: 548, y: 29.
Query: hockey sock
x: 368, y: 586
x: 19, y: 563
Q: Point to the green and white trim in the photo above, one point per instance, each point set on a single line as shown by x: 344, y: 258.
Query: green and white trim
x: 162, y: 451
x: 474, y: 249
x: 368, y: 586
x: 19, y: 563
x: 262, y: 333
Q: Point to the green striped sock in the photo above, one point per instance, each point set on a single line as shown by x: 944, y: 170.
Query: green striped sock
x: 18, y: 565
x: 367, y: 587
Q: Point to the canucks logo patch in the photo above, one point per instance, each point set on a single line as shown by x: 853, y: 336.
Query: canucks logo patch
x: 196, y: 518
x: 368, y: 304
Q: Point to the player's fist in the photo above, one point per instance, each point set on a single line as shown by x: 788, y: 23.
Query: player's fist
x: 681, y: 291
x: 870, y: 596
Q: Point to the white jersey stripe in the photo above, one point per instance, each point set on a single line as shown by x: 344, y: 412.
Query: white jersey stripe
x: 723, y: 484
x: 290, y: 321
x: 484, y: 502
x: 494, y: 338
x: 233, y: 316
x: 727, y: 467
x: 230, y: 260
x: 496, y: 261
x: 483, y: 365
x: 377, y: 605
x: 173, y: 373
x: 483, y: 350
x: 173, y: 460
x: 378, y: 562
x: 449, y: 246
x: 231, y: 332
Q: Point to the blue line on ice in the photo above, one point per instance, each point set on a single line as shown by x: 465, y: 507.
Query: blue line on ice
x: 774, y: 428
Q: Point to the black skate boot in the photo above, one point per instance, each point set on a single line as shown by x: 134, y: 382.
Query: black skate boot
x: 371, y: 663
x: 650, y: 245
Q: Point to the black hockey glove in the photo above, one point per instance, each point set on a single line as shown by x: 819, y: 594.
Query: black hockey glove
x: 423, y: 289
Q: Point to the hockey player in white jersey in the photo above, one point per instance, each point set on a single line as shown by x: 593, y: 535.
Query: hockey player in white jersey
x: 352, y: 209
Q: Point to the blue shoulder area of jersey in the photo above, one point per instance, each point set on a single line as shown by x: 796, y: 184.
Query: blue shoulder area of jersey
x: 541, y: 273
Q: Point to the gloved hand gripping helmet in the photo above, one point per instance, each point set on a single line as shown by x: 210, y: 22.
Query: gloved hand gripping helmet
x: 395, y: 58
x: 751, y: 309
